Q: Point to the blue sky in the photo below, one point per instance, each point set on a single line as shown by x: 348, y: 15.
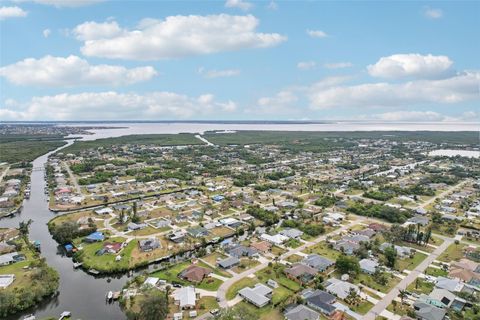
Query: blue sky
x: 234, y: 59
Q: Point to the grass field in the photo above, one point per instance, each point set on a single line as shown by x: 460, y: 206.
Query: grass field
x: 323, y: 250
x: 410, y: 263
x: 420, y: 286
x: 454, y: 252
x: 269, y: 273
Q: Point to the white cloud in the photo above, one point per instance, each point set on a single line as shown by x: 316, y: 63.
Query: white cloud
x: 240, y: 4
x: 459, y: 88
x: 12, y: 12
x: 174, y: 37
x: 72, y: 71
x: 411, y: 65
x: 306, y: 65
x: 317, y: 33
x: 94, y: 30
x: 338, y: 65
x: 113, y: 105
x: 46, y: 33
x: 63, y: 3
x: 211, y: 74
x: 433, y: 13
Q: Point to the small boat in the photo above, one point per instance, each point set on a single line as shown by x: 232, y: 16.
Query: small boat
x: 93, y: 271
x: 109, y: 295
x: 29, y: 317
x: 77, y: 265
x: 65, y: 314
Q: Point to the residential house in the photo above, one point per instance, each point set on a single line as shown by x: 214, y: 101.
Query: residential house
x: 241, y: 251
x: 185, y: 297
x: 262, y: 246
x: 301, y: 312
x: 94, y: 237
x: 301, y: 273
x: 150, y: 244
x: 195, y: 273
x: 368, y: 265
x: 229, y: 262
x: 277, y: 239
x: 425, y: 311
x: 318, y: 262
x: 260, y: 295
x: 321, y: 301
x: 197, y: 232
x: 340, y: 288
x: 291, y: 233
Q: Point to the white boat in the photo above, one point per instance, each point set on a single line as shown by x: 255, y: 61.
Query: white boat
x: 30, y: 317
x: 109, y: 295
x: 65, y: 314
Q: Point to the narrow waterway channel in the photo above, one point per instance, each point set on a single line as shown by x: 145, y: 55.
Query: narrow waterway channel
x: 80, y: 293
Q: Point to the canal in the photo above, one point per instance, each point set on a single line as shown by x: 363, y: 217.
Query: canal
x: 80, y: 293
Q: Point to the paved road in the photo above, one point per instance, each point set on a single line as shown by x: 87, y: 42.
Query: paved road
x: 443, y: 194
x: 402, y: 285
x: 4, y: 173
x: 221, y: 293
x: 73, y: 178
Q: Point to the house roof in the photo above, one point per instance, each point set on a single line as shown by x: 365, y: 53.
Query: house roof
x: 97, y: 236
x: 240, y: 250
x: 262, y: 246
x: 301, y: 312
x: 195, y: 273
x: 318, y: 262
x: 186, y: 296
x: 291, y: 232
x: 368, y: 264
x: 428, y: 312
x: 228, y: 262
x: 299, y: 269
x: 340, y: 288
x: 257, y: 294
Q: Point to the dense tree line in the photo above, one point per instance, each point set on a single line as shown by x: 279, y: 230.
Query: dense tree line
x: 67, y: 231
x: 266, y: 216
x: 380, y: 211
x: 313, y: 230
x: 43, y: 281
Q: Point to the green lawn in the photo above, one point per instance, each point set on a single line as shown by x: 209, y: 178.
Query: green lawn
x: 420, y: 286
x: 294, y: 258
x: 268, y: 273
x: 171, y: 274
x: 410, y: 263
x: 454, y: 252
x: 369, y: 281
x: 239, y: 285
x: 245, y: 264
x: 205, y: 304
x: 323, y: 250
x: 210, y: 284
x: 106, y: 262
x: 436, y: 272
x: 362, y: 308
x: 280, y: 294
x: 265, y: 313
x: 215, y: 270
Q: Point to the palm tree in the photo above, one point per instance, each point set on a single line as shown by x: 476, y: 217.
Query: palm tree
x: 402, y: 294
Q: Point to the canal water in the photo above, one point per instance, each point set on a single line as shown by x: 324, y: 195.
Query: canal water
x: 79, y: 292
